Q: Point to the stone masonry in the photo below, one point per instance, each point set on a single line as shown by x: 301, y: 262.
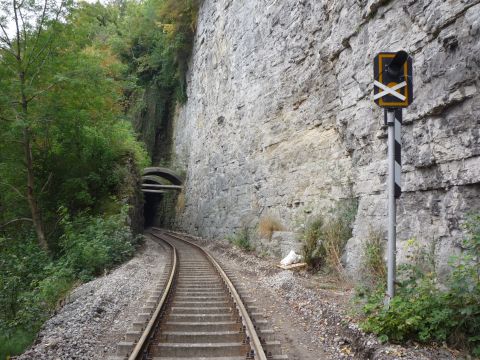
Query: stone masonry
x: 280, y: 119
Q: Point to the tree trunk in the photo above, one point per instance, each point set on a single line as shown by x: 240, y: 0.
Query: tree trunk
x: 31, y: 197
x: 27, y: 136
x: 32, y: 200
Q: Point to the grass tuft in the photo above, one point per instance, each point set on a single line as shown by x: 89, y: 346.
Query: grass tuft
x: 324, y: 239
x: 267, y: 226
x: 242, y: 239
x: 336, y: 233
x: 312, y: 251
x: 16, y: 342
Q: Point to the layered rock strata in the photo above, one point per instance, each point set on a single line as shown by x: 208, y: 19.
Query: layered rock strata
x: 280, y: 119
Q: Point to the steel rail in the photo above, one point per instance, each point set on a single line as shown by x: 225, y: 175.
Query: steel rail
x: 142, y: 342
x: 250, y: 328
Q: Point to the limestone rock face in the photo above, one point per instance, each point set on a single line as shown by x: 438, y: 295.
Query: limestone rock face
x: 280, y: 118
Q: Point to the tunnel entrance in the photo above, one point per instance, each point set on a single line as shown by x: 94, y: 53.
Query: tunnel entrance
x: 150, y: 208
x: 160, y: 187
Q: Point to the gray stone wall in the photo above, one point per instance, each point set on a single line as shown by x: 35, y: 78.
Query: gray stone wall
x: 280, y: 119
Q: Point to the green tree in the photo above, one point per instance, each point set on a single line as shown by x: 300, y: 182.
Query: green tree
x: 24, y: 55
x: 68, y: 148
x: 64, y: 133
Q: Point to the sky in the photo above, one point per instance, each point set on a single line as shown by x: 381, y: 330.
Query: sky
x: 9, y: 23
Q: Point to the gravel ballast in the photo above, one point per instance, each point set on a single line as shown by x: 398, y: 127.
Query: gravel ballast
x: 98, y: 314
x: 311, y: 321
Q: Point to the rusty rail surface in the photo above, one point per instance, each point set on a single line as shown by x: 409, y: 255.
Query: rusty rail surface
x: 142, y: 343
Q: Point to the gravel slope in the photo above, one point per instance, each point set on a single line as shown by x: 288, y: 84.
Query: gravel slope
x: 98, y: 314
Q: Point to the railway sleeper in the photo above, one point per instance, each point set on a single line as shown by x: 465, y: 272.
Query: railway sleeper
x: 194, y: 350
x: 202, y: 320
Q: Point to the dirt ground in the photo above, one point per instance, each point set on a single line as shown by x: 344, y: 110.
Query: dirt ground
x: 311, y: 314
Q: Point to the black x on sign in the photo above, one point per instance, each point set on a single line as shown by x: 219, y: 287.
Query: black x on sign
x: 393, y: 83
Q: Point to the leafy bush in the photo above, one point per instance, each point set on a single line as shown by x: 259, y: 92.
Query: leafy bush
x: 417, y: 311
x: 93, y: 244
x: 424, y: 312
x: 34, y: 304
x: 57, y: 283
x: 32, y: 284
x: 22, y: 263
x: 267, y: 225
x: 241, y: 240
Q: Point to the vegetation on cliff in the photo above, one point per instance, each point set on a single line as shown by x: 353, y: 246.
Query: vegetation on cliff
x: 154, y: 40
x: 70, y: 79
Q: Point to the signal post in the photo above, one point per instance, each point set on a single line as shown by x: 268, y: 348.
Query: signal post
x: 393, y: 91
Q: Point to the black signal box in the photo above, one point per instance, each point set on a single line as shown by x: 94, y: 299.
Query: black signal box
x: 393, y: 80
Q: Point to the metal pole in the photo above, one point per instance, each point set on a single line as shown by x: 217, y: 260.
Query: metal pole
x: 391, y: 206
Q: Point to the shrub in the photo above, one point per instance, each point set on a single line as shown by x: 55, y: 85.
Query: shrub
x: 423, y: 312
x: 417, y: 311
x: 464, y: 294
x: 325, y: 240
x: 30, y: 285
x: 241, y: 240
x: 312, y: 251
x: 22, y: 265
x: 93, y: 244
x: 267, y: 226
x: 57, y: 283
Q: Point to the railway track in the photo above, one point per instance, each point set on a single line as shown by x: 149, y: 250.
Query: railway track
x: 196, y: 312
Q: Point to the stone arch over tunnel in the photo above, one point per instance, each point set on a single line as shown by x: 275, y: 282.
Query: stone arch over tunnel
x: 160, y: 187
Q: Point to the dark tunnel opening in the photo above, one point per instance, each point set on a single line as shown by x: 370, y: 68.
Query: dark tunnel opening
x: 159, y: 209
x: 151, y: 209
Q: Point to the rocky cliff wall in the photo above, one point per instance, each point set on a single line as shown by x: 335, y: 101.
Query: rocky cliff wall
x: 280, y: 119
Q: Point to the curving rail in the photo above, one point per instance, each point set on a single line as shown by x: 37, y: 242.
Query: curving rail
x: 149, y: 344
x: 256, y: 344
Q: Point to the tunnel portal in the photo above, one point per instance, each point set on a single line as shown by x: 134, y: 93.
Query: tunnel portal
x: 160, y: 187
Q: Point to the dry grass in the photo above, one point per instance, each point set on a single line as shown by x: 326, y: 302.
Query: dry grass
x: 268, y: 225
x: 335, y: 233
x: 325, y: 240
x: 373, y: 258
